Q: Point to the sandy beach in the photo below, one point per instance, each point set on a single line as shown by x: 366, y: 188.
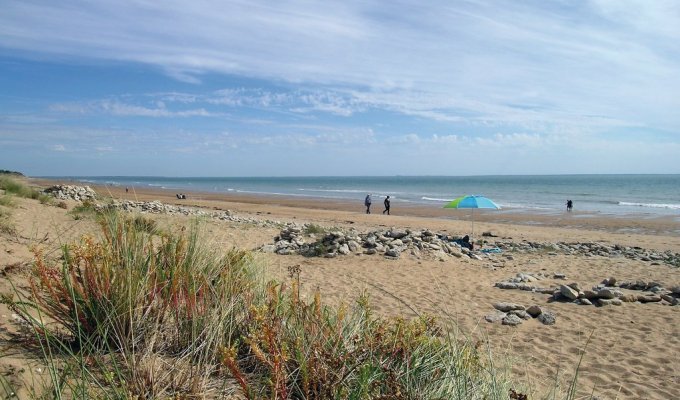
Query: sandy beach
x: 627, y: 351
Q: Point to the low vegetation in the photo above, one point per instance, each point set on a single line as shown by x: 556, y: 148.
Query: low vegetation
x: 19, y: 189
x: 141, y: 313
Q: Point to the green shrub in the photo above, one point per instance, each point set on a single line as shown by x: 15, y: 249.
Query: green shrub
x: 83, y: 210
x: 314, y: 229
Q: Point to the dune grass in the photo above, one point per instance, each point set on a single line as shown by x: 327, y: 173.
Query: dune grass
x: 142, y: 313
x: 7, y: 201
x: 19, y: 189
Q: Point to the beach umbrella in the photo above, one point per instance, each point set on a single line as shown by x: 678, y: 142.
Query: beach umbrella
x: 473, y: 202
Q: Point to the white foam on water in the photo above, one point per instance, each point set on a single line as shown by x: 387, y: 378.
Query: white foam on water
x: 650, y: 205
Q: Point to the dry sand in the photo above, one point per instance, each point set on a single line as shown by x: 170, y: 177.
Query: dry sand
x: 633, y: 350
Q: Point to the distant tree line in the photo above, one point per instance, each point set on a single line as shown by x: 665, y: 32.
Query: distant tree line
x: 8, y: 172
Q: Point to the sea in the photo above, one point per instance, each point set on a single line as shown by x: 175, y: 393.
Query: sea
x: 613, y: 195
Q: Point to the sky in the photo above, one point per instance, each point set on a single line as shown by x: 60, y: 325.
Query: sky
x: 339, y: 88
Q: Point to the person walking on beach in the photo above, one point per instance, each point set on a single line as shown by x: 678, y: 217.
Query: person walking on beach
x: 367, y: 203
x: 570, y: 205
x: 387, y: 205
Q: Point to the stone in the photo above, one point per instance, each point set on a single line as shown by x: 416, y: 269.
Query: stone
x: 520, y: 313
x: 568, y: 292
x: 344, y: 249
x: 505, y: 307
x: 547, y: 318
x: 268, y: 248
x: 397, y: 234
x: 589, y: 294
x: 674, y: 301
x: 609, y: 302
x: 506, y: 285
x: 610, y: 281
x: 495, y: 316
x: 575, y: 286
x: 648, y: 298
x: 370, y: 251
x: 511, y: 319
x: 392, y: 253
x: 628, y: 298
x: 605, y: 294
x: 534, y: 311
x: 558, y: 275
x: 584, y: 302
x: 675, y: 289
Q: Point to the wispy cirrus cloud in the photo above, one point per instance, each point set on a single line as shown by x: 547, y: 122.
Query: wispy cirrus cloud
x: 119, y: 108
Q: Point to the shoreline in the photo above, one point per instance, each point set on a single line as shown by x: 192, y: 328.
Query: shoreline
x: 576, y: 220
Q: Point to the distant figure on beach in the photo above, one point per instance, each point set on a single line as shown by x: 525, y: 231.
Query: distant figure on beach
x: 126, y: 189
x: 570, y: 205
x: 387, y: 205
x: 367, y: 203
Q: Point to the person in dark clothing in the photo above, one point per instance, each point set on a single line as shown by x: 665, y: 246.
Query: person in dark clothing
x: 465, y: 242
x: 570, y: 205
x: 367, y: 203
x: 387, y: 205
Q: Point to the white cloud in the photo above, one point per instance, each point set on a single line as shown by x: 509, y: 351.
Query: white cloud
x: 118, y: 108
x: 610, y: 58
x: 58, y: 147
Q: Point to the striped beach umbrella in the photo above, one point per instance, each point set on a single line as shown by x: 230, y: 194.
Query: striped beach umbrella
x: 472, y: 202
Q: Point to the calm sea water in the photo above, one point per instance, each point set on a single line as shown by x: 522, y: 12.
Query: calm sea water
x: 606, y: 194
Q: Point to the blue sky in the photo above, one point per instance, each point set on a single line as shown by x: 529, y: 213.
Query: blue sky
x: 293, y: 88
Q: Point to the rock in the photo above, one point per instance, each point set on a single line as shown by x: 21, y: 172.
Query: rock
x: 605, y: 294
x: 674, y: 301
x: 505, y: 307
x: 547, y: 318
x: 534, y: 311
x: 520, y: 313
x: 589, y: 294
x: 609, y: 302
x: 506, y: 285
x: 648, y: 298
x: 568, y: 292
x: 628, y: 298
x: 344, y: 249
x: 268, y: 248
x: 675, y: 289
x: 370, y: 251
x: 575, y: 286
x: 511, y: 319
x: 495, y: 316
x: 584, y: 302
x: 559, y: 276
x: 610, y: 281
x: 392, y: 253
x: 397, y: 234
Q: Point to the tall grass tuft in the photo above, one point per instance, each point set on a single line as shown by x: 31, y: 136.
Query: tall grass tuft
x: 7, y: 201
x: 145, y: 314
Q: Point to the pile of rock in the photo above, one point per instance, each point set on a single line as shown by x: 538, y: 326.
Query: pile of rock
x: 590, y: 249
x: 514, y: 314
x: 390, y: 243
x: 71, y: 192
x: 156, y: 207
x: 608, y: 293
x: 523, y: 280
